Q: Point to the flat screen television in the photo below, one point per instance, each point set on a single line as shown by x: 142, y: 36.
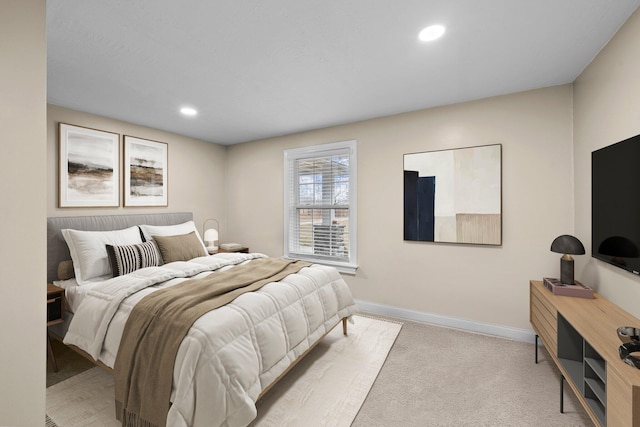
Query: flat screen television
x: 615, y: 204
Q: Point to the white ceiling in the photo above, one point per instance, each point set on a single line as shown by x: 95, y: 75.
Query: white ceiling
x: 256, y: 68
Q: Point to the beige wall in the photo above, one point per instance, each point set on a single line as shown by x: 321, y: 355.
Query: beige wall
x: 23, y: 93
x: 196, y: 169
x: 485, y: 284
x: 606, y: 111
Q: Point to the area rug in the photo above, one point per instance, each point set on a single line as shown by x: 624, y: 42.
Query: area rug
x: 327, y: 388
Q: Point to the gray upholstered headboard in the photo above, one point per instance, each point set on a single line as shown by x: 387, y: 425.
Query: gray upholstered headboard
x: 57, y: 249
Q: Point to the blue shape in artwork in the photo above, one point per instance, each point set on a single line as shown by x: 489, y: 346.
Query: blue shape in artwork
x: 419, y: 207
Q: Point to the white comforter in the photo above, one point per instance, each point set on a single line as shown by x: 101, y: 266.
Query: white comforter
x: 230, y: 354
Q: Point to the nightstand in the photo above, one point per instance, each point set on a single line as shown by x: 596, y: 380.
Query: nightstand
x: 243, y: 250
x: 55, y: 314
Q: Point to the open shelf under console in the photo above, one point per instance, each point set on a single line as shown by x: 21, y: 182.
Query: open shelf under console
x: 584, y: 366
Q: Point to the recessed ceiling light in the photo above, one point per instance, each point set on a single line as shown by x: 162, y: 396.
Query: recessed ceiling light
x: 188, y: 111
x: 431, y: 32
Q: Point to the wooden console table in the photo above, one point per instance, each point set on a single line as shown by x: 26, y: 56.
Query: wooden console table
x: 581, y: 337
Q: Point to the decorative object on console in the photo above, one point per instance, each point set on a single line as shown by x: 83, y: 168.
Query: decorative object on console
x: 628, y: 334
x: 567, y: 245
x: 210, y: 235
x: 145, y: 172
x: 88, y: 169
x: 625, y: 351
x: 630, y: 338
x: 454, y: 196
x: 576, y: 290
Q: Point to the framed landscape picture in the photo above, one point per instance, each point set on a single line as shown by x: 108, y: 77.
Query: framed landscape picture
x: 88, y: 167
x: 145, y: 172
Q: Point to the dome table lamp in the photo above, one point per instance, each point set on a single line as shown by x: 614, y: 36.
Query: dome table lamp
x: 210, y: 235
x: 567, y: 245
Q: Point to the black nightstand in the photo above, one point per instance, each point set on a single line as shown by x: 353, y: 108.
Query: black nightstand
x: 55, y: 315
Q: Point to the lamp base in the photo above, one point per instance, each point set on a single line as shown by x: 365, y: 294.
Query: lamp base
x: 566, y: 270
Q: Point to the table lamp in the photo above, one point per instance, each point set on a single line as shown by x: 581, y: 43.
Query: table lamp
x: 210, y: 235
x: 567, y: 245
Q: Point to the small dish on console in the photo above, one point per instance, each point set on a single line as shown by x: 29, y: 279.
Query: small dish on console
x: 628, y: 334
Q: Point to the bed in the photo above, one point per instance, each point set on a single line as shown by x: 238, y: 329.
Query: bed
x: 232, y: 354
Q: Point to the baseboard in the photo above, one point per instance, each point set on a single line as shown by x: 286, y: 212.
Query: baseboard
x: 517, y: 334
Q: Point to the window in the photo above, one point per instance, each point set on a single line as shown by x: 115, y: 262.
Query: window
x: 320, y: 204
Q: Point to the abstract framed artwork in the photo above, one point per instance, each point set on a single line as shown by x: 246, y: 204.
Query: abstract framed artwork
x: 454, y: 196
x: 145, y: 172
x: 88, y: 167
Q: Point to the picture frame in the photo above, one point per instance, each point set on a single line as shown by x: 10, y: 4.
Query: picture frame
x: 145, y: 166
x: 454, y: 195
x: 88, y: 167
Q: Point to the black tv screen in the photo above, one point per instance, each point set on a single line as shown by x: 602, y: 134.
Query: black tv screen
x: 615, y: 204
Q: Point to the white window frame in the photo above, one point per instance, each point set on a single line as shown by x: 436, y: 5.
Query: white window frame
x: 290, y: 200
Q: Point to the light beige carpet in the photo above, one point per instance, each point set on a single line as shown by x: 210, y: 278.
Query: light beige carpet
x: 83, y: 400
x: 441, y: 377
x: 327, y: 388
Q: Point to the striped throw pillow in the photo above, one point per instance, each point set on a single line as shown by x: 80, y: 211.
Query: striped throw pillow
x: 129, y: 258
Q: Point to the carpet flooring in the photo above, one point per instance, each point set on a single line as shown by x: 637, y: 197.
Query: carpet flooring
x: 435, y: 376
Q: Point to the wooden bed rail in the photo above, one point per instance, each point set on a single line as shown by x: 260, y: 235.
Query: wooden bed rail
x: 295, y: 362
x: 84, y: 354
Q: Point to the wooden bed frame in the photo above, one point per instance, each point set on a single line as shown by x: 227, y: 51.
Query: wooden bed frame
x: 295, y: 362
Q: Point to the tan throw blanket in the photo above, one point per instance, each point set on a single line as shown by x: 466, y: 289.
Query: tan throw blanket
x: 159, y: 322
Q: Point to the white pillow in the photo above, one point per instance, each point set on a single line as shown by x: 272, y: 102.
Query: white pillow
x: 171, y: 230
x: 89, y: 253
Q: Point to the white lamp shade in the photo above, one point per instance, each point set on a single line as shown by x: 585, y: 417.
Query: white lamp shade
x: 211, y: 239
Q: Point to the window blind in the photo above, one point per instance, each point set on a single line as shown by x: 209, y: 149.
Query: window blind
x: 320, y: 189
